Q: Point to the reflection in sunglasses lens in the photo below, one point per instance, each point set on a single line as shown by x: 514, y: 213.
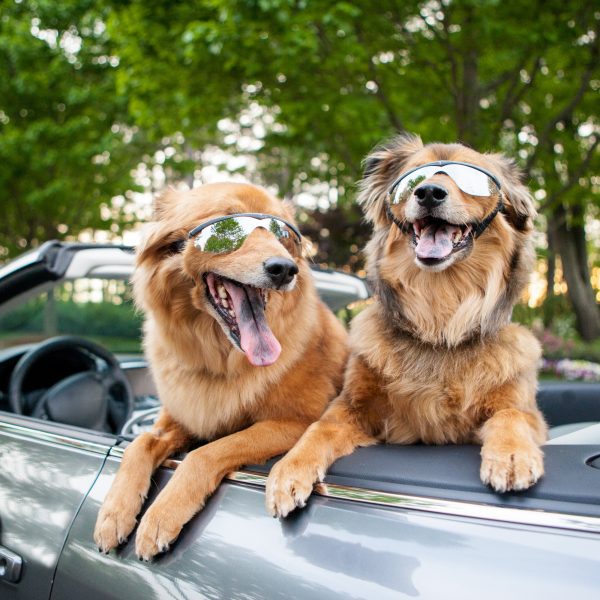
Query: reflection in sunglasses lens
x: 469, y: 179
x: 230, y: 233
x: 224, y: 236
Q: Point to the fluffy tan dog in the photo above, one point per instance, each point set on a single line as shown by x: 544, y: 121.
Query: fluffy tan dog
x: 435, y: 358
x: 242, y: 350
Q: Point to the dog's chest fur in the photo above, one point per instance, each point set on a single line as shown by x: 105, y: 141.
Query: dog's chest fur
x: 433, y: 415
x: 435, y: 394
x: 207, y: 404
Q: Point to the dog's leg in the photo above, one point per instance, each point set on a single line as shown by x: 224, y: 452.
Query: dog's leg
x: 200, y: 473
x: 511, y: 458
x: 117, y: 516
x: 291, y: 480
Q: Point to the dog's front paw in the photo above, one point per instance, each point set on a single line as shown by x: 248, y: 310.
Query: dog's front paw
x: 508, y: 470
x: 157, y: 530
x: 114, y: 524
x: 288, y: 487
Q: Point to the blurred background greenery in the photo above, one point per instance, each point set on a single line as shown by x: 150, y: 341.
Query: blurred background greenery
x: 104, y: 103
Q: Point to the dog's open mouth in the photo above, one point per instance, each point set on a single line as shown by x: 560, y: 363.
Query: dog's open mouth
x: 435, y: 239
x: 241, y: 309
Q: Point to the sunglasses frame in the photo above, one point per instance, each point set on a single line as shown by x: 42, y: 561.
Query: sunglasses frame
x: 259, y: 216
x: 441, y: 163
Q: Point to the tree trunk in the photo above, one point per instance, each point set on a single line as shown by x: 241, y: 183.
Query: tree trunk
x: 549, y: 304
x: 570, y: 244
x: 579, y: 238
x: 468, y: 89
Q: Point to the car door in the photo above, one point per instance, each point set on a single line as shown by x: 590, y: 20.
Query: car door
x: 46, y: 470
x: 350, y: 542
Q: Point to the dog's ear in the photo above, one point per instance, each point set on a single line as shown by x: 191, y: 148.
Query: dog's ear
x: 156, y: 244
x: 381, y: 168
x: 163, y: 202
x: 289, y: 210
x: 519, y: 205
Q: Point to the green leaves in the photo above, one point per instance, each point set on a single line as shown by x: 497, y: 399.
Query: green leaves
x: 92, y: 88
x: 61, y: 154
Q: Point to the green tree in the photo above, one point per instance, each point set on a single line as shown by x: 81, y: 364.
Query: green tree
x: 225, y: 236
x: 65, y: 147
x: 334, y: 78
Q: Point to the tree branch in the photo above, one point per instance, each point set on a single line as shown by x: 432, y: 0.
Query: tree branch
x: 567, y: 111
x: 450, y: 85
x: 450, y: 50
x: 513, y: 96
x: 380, y: 93
x: 574, y: 177
x: 512, y: 73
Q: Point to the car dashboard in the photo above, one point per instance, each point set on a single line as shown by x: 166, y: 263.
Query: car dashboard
x: 61, y: 365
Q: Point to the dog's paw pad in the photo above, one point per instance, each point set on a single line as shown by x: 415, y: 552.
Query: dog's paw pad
x: 512, y: 471
x: 154, y: 536
x: 286, y: 491
x: 112, y: 529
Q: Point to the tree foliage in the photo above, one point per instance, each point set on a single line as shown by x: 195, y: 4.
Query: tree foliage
x: 334, y: 78
x: 65, y: 147
x: 318, y: 84
x: 339, y: 77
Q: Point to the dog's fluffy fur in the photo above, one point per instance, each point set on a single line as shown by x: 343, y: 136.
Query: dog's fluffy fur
x: 208, y: 388
x: 435, y: 358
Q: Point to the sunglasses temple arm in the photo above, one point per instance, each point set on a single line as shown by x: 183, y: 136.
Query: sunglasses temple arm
x: 483, y: 225
x: 404, y: 227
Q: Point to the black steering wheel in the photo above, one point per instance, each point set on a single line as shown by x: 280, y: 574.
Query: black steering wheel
x: 100, y: 399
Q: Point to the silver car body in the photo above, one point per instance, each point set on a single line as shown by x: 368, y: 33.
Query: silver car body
x: 389, y: 522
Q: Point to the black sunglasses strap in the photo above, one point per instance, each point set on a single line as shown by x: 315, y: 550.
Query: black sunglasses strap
x: 483, y: 225
x: 403, y: 227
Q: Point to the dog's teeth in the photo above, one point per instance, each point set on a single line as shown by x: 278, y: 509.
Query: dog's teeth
x: 231, y: 313
x: 224, y: 302
x: 222, y: 291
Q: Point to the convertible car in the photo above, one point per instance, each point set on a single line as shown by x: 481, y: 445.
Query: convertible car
x: 388, y: 522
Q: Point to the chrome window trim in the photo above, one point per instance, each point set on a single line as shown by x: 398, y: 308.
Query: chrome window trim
x: 60, y: 439
x: 519, y: 516
x: 455, y: 508
x: 133, y: 363
x: 21, y: 262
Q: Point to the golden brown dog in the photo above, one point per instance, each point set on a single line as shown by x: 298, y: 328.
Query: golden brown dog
x: 241, y: 349
x: 435, y: 358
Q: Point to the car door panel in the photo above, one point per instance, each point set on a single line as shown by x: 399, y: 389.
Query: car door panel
x: 43, y: 480
x: 331, y: 550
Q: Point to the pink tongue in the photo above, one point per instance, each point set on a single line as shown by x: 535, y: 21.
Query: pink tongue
x: 256, y: 338
x: 436, y: 242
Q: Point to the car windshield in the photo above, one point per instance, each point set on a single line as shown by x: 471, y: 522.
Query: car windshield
x: 98, y: 309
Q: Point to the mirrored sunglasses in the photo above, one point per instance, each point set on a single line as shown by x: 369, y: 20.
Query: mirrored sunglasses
x: 471, y: 179
x: 226, y: 234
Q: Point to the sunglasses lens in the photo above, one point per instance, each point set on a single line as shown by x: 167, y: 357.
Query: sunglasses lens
x: 229, y: 234
x: 285, y: 235
x: 469, y: 180
x: 224, y: 236
x: 408, y: 184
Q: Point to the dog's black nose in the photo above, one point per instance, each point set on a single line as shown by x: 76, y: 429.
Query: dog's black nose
x: 280, y: 270
x: 430, y: 195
